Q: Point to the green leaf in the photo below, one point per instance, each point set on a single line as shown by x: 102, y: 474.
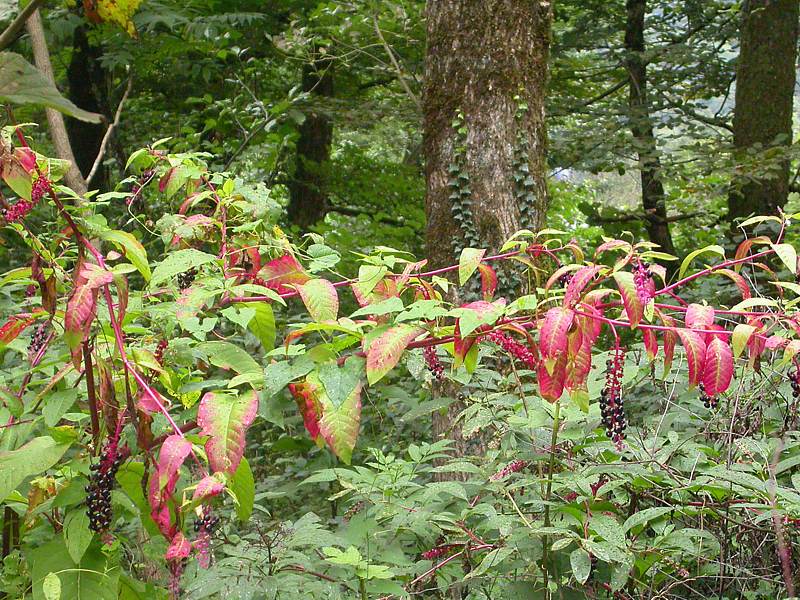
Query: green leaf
x: 320, y: 298
x: 51, y: 587
x: 741, y: 335
x: 787, y: 254
x: 581, y: 565
x: 33, y: 458
x: 350, y: 557
x: 643, y: 517
x: 179, y: 262
x: 368, y: 277
x: 278, y: 374
x: 492, y: 559
x: 340, y: 382
x: 339, y: 424
x: 77, y: 534
x: 229, y: 356
x: 468, y: 262
x: 262, y: 324
x: 692, y: 255
x: 390, y: 305
x: 132, y: 248
x: 751, y: 302
x: 243, y: 486
x: 95, y: 577
x: 22, y: 83
x: 58, y: 403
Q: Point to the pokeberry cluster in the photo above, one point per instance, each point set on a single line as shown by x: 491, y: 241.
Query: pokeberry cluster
x: 439, y: 551
x: 136, y: 190
x: 186, y: 278
x: 204, y: 528
x: 38, y: 339
x: 565, y: 279
x: 519, y: 351
x: 20, y: 209
x: 513, y: 467
x: 208, y: 523
x: 159, y: 353
x: 100, y: 485
x: 643, y: 281
x: 794, y: 377
x: 611, y: 404
x: 708, y: 401
x: 432, y: 362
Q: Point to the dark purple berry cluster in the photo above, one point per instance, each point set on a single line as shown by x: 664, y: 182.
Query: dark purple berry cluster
x: 186, y: 278
x: 794, y: 377
x: 611, y: 404
x: 433, y: 363
x: 20, y: 209
x: 208, y: 523
x: 565, y: 279
x: 514, y: 466
x: 38, y: 339
x: 643, y: 281
x: 136, y: 190
x: 204, y: 528
x: 101, y: 483
x: 519, y: 351
x: 708, y: 401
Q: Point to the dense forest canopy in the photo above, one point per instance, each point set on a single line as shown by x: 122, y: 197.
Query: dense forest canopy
x: 395, y: 299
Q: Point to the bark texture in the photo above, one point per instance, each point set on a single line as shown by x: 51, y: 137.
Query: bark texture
x: 765, y: 80
x: 653, y: 197
x: 308, y: 201
x: 486, y: 66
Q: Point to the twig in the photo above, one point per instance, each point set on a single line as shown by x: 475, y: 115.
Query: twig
x: 10, y: 34
x: 104, y: 144
x: 396, y: 65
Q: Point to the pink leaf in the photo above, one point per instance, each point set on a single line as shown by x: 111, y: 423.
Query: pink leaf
x: 718, y: 369
x: 173, y: 453
x: 582, y: 277
x: 553, y: 336
x: 208, y: 487
x: 385, y: 352
x: 699, y: 316
x: 551, y: 385
x: 612, y: 245
x: 147, y: 404
x: 650, y: 343
x: 225, y: 419
x: 179, y: 548
x: 280, y: 273
x: 695, y: 354
x: 306, y: 396
x: 488, y: 281
x: 630, y: 298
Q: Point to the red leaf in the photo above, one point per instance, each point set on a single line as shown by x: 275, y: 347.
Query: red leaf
x: 630, y: 298
x: 650, y: 343
x: 385, y: 352
x: 208, y: 487
x: 578, y: 283
x: 699, y: 316
x: 225, y: 418
x: 553, y: 336
x: 179, y: 548
x: 173, y: 453
x: 305, y: 395
x: 280, y: 273
x: 740, y: 282
x: 551, y: 386
x: 718, y: 369
x: 13, y: 327
x: 580, y: 361
x: 488, y: 281
x: 612, y: 245
x: 695, y: 354
x: 744, y: 248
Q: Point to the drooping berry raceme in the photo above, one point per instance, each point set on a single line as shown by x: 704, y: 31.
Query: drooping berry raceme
x: 611, y: 403
x: 643, y: 281
x: 186, y: 279
x: 101, y: 482
x: 519, y: 351
x: 204, y: 528
x: 159, y: 353
x: 433, y: 363
x: 38, y: 339
x: 20, y: 209
x: 515, y: 466
x: 440, y: 551
x: 710, y: 402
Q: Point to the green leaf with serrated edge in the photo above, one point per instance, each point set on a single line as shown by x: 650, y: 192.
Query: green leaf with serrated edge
x: 243, y: 486
x: 339, y: 424
x: 229, y: 356
x: 179, y: 262
x: 468, y: 262
x: 385, y: 352
x: 132, y: 248
x: 692, y: 255
x: 33, y: 458
x: 262, y: 324
x: 581, y: 565
x: 741, y: 335
x: 320, y: 298
x: 77, y: 534
x: 225, y: 418
x: 787, y: 254
x: 22, y: 83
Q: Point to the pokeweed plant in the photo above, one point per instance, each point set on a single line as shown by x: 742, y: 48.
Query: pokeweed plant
x: 129, y: 385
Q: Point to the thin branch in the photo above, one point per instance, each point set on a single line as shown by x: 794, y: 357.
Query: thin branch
x: 10, y: 34
x: 396, y: 65
x: 104, y: 144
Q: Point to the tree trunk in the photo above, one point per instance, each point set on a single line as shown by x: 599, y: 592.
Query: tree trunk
x: 653, y: 197
x: 765, y: 80
x: 308, y: 203
x: 87, y: 81
x: 484, y: 131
